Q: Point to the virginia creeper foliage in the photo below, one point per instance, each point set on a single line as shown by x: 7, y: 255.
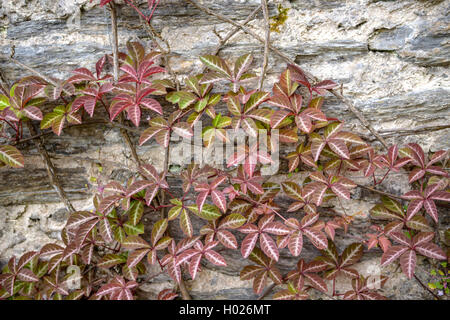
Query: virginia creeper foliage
x: 111, y: 245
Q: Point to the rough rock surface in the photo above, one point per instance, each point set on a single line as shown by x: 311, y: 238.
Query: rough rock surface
x: 391, y: 57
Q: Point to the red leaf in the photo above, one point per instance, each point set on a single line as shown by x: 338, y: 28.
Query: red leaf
x: 318, y: 238
x: 134, y: 114
x: 219, y: 200
x: 414, y: 207
x: 152, y: 104
x: 227, y: 239
x: 183, y: 129
x: 269, y: 246
x: 33, y: 113
x: 400, y: 238
x: 295, y: 244
x: 248, y: 244
x: 431, y: 209
x: 215, y: 258
x: 340, y: 191
x: 408, y: 263
x: 431, y: 250
x: 416, y: 174
x: 339, y: 148
x: 138, y: 186
x: 392, y: 254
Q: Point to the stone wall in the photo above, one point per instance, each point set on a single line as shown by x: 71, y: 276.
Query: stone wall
x: 391, y: 57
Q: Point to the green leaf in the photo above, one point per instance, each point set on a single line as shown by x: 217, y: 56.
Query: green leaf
x: 4, y: 101
x: 419, y: 223
x: 119, y: 234
x: 209, y: 212
x: 36, y: 102
x: 316, y: 103
x: 75, y: 295
x: 135, y: 212
x: 381, y: 212
x: 217, y: 64
x: 110, y: 260
x: 176, y: 201
x: 259, y: 257
x: 41, y: 269
x: 174, y: 213
x: 11, y: 156
x: 242, y: 64
x: 255, y: 100
x: 233, y: 221
x: 216, y: 120
x: 12, y: 90
x: 192, y: 83
x: 136, y: 51
x: 332, y: 129
x: 392, y: 205
x: 214, y: 99
x: 352, y: 254
x: 158, y: 230
x: 201, y: 104
x: 186, y: 224
x: 291, y: 288
x: 223, y: 122
x: 183, y: 98
x: 132, y: 230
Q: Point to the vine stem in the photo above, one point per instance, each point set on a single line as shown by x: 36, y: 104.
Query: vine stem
x: 245, y: 197
x: 266, y: 43
x: 153, y: 34
x: 267, y: 291
x: 115, y: 48
x: 426, y: 288
x: 184, y: 292
x: 183, y: 289
x: 136, y: 9
x: 382, y: 179
x: 232, y: 33
x: 51, y: 171
x: 379, y: 192
x: 44, y: 77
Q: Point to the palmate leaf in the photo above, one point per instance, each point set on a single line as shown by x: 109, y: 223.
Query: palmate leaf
x: 431, y: 250
x: 110, y: 260
x: 133, y: 230
x: 208, y: 212
x: 227, y: 239
x: 232, y: 221
x: 269, y: 246
x: 352, y: 254
x: 217, y: 64
x: 419, y: 223
x: 408, y: 262
x: 242, y: 64
x: 249, y: 272
x: 186, y: 224
x: 248, y: 244
x: 11, y: 156
x: 159, y: 228
x: 135, y: 212
x: 183, y: 98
